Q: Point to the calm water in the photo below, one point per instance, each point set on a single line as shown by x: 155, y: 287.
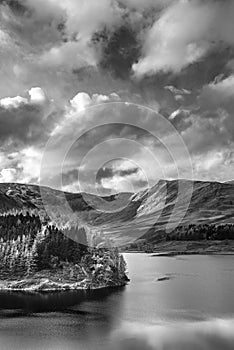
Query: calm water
x: 193, y: 309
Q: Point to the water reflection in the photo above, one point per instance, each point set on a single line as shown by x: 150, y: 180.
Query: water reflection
x: 206, y: 335
x: 49, y: 302
x: 64, y: 320
x: 194, y: 310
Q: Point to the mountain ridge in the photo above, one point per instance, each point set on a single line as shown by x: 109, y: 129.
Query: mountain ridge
x: 127, y: 215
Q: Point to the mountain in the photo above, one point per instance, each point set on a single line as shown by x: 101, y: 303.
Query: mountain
x: 230, y: 182
x: 23, y: 196
x: 126, y: 217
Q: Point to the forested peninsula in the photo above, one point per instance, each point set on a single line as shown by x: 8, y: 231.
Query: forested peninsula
x: 37, y: 256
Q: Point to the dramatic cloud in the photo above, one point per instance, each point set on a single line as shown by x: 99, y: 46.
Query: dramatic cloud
x: 67, y: 65
x: 79, y: 20
x: 25, y: 119
x: 121, y: 175
x: 120, y: 51
x: 94, y: 133
x: 184, y: 34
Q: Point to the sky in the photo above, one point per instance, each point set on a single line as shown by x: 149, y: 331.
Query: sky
x: 112, y: 95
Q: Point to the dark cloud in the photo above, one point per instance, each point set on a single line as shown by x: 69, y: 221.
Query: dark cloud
x: 82, y: 46
x: 206, y: 70
x: 120, y: 50
x: 192, y: 78
x: 110, y: 172
x: 128, y: 172
x: 70, y: 178
x: 104, y: 173
x: 17, y: 7
x: 28, y: 123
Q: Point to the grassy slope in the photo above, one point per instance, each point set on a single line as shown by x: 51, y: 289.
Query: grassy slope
x: 195, y: 247
x: 211, y: 202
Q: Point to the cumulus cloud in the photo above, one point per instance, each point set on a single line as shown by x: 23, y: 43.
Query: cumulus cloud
x: 29, y: 164
x: 175, y: 40
x: 206, y: 164
x: 8, y: 175
x: 21, y: 166
x: 13, y: 102
x: 83, y: 100
x: 37, y: 95
x: 48, y: 43
x: 184, y: 34
x: 26, y: 119
x: 80, y: 116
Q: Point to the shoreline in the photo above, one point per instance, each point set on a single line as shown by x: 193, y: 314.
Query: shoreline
x: 174, y: 248
x: 59, y: 288
x: 168, y: 254
x: 46, y: 284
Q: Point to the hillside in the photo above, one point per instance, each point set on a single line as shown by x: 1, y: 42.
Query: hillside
x: 127, y: 217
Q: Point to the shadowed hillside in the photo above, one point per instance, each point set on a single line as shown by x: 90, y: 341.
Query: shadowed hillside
x: 127, y: 217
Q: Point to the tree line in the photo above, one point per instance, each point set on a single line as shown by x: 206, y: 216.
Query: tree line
x: 192, y: 232
x: 200, y: 232
x: 27, y: 246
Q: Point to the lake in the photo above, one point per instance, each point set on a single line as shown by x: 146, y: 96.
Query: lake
x: 171, y: 303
